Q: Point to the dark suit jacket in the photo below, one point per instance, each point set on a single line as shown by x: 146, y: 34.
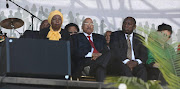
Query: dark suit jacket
x: 118, y: 45
x: 81, y: 47
x: 64, y: 34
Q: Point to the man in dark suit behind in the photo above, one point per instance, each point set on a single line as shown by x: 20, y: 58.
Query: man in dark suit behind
x: 128, y: 61
x: 90, y: 52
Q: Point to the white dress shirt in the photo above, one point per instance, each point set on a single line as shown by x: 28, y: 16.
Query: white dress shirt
x: 133, y: 56
x: 92, y: 49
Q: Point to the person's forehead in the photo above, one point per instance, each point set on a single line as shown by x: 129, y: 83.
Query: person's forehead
x: 128, y: 20
x: 88, y: 20
x: 56, y: 16
x: 45, y: 22
x: 72, y: 27
x: 108, y: 33
x: 166, y: 32
x: 72, y: 30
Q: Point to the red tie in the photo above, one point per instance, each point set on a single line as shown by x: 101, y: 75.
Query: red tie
x: 92, y: 44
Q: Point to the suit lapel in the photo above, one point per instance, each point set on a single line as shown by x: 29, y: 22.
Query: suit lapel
x: 84, y: 39
x: 95, y: 41
x: 134, y: 41
x: 124, y: 41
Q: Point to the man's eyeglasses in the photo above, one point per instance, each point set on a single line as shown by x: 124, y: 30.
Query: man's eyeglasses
x: 88, y: 23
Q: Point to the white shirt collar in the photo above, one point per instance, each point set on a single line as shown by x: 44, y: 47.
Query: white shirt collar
x: 87, y: 34
x: 131, y: 35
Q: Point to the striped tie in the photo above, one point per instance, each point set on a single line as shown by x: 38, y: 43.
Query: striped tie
x: 129, y: 51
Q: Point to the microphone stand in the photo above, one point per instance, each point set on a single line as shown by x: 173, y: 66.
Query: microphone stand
x: 32, y: 15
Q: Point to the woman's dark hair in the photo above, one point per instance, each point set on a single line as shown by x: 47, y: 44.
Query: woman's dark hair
x: 164, y: 26
x: 72, y: 24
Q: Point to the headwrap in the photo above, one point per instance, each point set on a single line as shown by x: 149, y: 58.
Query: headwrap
x: 54, y: 35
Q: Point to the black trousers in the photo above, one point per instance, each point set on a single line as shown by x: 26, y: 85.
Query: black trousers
x: 97, y: 67
x: 117, y: 68
x: 138, y: 71
x: 155, y: 74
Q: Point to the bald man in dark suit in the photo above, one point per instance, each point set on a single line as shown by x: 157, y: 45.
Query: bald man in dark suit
x: 90, y: 52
